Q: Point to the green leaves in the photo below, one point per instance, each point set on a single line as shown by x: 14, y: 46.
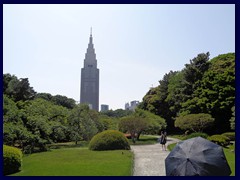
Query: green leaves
x: 17, y: 89
x: 203, y: 86
x: 82, y: 123
x: 194, y: 122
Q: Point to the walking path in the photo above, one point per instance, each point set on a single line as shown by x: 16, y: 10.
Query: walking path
x: 149, y: 160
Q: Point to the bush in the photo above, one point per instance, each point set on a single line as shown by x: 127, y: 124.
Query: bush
x: 219, y: 139
x: 230, y: 135
x: 109, y: 140
x: 192, y: 135
x: 12, y: 159
x: 194, y: 122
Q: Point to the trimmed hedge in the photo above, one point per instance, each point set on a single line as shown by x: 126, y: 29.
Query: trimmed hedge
x: 12, y: 159
x: 192, y: 135
x: 109, y: 140
x: 230, y: 135
x: 219, y: 139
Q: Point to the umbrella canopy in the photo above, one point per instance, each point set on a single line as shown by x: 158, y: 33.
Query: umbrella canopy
x: 197, y: 157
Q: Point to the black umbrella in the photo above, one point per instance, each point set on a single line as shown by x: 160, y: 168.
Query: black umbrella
x: 197, y: 157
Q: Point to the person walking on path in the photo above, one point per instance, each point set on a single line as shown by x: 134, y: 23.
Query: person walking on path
x: 163, y: 140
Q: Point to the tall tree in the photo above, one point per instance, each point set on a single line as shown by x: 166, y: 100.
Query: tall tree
x: 215, y: 93
x: 81, y: 123
x: 133, y: 125
x: 193, y: 72
x: 18, y: 89
x: 155, y: 123
x: 156, y: 102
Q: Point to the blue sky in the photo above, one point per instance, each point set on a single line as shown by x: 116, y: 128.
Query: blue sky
x: 135, y: 45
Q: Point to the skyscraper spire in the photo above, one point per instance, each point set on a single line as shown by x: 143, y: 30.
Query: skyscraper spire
x: 90, y: 41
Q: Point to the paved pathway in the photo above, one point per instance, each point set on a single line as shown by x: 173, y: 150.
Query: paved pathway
x: 149, y: 160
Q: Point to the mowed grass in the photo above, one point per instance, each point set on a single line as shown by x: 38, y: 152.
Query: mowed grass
x: 77, y: 162
x: 230, y: 156
x: 231, y: 159
x: 144, y: 140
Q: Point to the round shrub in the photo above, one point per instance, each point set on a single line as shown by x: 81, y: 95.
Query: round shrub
x: 109, y: 140
x: 192, y: 135
x: 219, y: 139
x: 230, y: 135
x: 12, y: 159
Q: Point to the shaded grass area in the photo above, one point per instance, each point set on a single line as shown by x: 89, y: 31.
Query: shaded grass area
x: 145, y: 139
x: 77, y: 162
x: 68, y: 145
x: 230, y: 156
x: 181, y: 137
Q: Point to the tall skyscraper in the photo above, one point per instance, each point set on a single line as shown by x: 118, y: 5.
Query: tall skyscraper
x: 90, y: 78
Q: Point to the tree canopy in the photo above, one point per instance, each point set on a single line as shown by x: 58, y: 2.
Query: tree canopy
x: 202, y: 86
x: 194, y: 122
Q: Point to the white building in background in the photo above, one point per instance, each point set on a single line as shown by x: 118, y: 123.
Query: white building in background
x: 132, y: 105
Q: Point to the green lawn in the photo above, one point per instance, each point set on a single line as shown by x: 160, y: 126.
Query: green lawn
x: 230, y: 156
x: 231, y: 159
x: 145, y: 139
x: 77, y: 162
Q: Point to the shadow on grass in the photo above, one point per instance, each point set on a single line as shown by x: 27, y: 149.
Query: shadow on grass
x: 144, y: 140
x: 68, y: 145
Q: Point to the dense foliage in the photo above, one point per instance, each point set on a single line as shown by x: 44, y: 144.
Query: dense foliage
x: 58, y: 100
x: 192, y: 135
x: 109, y: 140
x: 117, y: 113
x: 34, y: 120
x: 83, y: 123
x: 12, y: 160
x: 229, y: 135
x: 232, y: 120
x: 203, y: 86
x: 194, y: 122
x: 17, y: 89
x: 219, y: 139
x: 141, y: 122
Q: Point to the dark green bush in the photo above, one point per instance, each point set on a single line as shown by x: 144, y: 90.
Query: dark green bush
x: 109, y: 140
x: 219, y: 139
x: 192, y: 135
x: 230, y: 135
x: 12, y: 159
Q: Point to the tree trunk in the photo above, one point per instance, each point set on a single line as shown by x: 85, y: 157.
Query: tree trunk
x: 133, y: 137
x: 138, y: 135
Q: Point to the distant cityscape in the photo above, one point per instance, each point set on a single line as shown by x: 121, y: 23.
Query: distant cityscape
x: 132, y: 105
x: 128, y: 106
